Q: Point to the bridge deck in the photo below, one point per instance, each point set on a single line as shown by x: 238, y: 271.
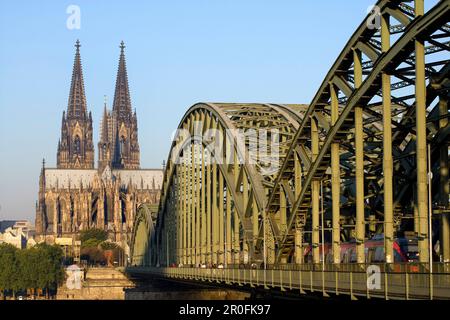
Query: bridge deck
x: 385, y: 285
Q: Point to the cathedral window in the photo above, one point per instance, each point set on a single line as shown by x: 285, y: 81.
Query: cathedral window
x: 122, y: 145
x: 77, y: 145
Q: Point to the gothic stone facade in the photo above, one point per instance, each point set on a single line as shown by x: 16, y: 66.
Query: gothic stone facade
x: 76, y: 196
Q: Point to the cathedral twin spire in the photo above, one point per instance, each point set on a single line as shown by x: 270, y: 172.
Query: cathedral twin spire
x: 118, y: 146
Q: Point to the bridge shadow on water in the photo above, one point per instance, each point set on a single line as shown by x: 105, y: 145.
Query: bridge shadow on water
x: 162, y: 289
x: 152, y: 288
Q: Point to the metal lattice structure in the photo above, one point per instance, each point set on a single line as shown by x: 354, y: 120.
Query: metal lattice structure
x: 214, y: 150
x: 358, y: 153
x: 143, y: 228
x: 365, y: 98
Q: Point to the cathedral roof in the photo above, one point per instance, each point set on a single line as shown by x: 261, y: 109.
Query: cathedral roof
x: 69, y: 178
x: 76, y: 178
x: 142, y: 178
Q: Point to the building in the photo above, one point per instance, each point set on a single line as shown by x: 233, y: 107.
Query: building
x: 14, y: 237
x: 19, y: 233
x: 75, y: 195
x: 26, y: 227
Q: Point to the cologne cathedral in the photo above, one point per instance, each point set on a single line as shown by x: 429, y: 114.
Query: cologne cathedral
x: 76, y: 196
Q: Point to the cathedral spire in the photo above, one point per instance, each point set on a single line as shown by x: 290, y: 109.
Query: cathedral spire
x: 104, y: 145
x: 76, y: 148
x: 124, y: 139
x: 104, y: 136
x: 122, y: 100
x: 77, y: 100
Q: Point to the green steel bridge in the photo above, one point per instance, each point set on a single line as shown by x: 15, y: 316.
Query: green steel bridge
x: 290, y: 196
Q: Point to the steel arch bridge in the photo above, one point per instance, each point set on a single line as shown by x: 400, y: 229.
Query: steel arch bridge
x: 259, y: 183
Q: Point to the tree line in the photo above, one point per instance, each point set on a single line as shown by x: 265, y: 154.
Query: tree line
x: 97, y: 249
x: 36, y: 270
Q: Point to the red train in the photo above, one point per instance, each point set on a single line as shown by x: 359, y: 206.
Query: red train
x: 405, y: 250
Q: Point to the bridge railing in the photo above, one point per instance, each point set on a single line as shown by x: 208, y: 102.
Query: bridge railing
x: 438, y: 267
x: 387, y: 285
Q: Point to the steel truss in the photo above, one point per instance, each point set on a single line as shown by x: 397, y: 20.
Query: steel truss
x: 357, y: 153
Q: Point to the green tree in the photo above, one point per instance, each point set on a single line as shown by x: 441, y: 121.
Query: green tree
x: 8, y: 268
x: 29, y: 270
x: 39, y: 267
x: 93, y: 233
x: 23, y: 270
x: 51, y: 261
x: 91, y: 243
x: 106, y: 245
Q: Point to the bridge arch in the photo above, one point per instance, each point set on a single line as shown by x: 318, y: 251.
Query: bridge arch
x: 143, y: 228
x: 219, y: 143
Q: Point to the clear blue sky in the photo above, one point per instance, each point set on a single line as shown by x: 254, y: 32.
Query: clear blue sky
x: 178, y: 53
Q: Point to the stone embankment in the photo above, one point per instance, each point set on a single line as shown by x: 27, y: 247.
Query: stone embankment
x: 98, y: 284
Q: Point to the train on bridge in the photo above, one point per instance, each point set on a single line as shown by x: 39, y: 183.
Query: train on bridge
x: 405, y: 250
